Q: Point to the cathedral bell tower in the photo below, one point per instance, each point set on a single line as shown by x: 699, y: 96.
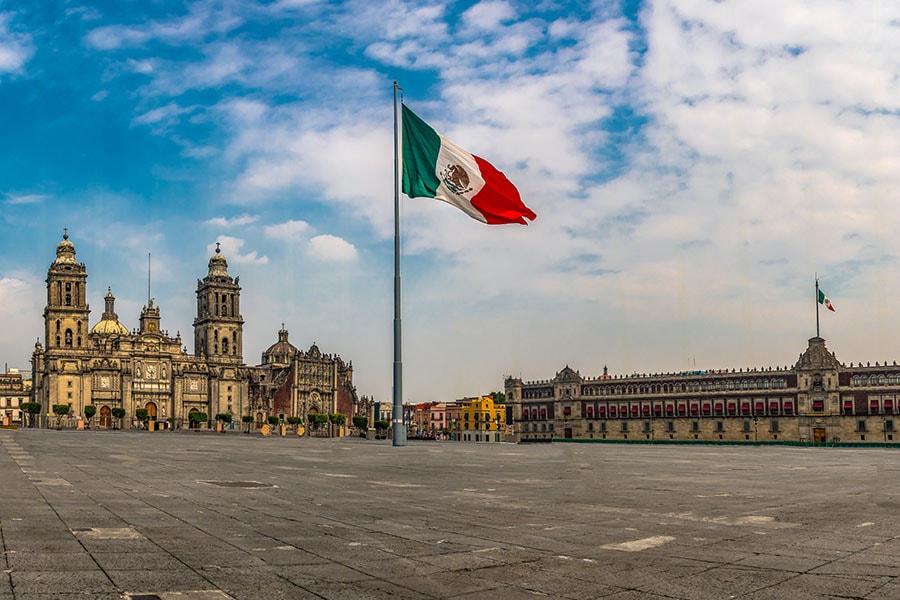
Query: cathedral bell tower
x: 67, y: 312
x: 218, y: 328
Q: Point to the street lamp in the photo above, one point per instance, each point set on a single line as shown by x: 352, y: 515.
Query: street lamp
x: 755, y: 429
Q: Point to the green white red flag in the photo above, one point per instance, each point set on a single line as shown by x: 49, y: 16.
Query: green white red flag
x: 823, y: 299
x: 434, y: 167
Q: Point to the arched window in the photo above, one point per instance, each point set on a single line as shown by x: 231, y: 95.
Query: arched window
x: 225, y: 346
x: 68, y: 299
x: 68, y: 337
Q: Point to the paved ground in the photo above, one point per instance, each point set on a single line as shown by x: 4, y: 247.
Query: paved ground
x: 205, y: 516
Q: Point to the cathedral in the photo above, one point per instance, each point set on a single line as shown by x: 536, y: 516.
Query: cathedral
x: 107, y: 366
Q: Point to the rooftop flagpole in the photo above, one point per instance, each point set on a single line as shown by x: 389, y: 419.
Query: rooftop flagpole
x: 398, y: 427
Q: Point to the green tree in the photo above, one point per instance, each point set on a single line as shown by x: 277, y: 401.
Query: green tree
x: 294, y: 421
x: 197, y: 418
x: 380, y: 424
x: 142, y: 415
x: 247, y: 419
x: 317, y: 419
x: 89, y: 411
x: 60, y: 410
x: 119, y: 414
x: 31, y: 409
x: 337, y: 418
x: 224, y: 417
x: 361, y: 422
x: 499, y: 397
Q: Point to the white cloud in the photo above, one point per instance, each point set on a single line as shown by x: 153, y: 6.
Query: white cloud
x: 288, y: 231
x: 26, y: 198
x: 488, y: 14
x: 238, y: 221
x: 331, y: 248
x: 15, y: 48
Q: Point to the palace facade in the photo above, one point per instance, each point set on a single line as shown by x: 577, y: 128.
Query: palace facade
x: 819, y: 400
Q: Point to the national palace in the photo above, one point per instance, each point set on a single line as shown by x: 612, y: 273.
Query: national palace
x: 110, y: 367
x: 819, y: 400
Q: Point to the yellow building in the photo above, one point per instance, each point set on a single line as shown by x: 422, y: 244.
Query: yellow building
x: 483, y: 420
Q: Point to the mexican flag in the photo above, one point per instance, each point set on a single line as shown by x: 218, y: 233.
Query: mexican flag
x: 434, y: 167
x: 823, y: 299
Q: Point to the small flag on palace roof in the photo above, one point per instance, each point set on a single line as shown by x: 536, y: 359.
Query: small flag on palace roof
x: 823, y: 299
x: 434, y: 167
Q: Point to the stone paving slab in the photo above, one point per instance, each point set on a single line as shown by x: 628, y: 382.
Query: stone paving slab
x: 204, y: 516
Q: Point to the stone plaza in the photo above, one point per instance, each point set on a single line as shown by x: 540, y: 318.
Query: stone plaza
x: 204, y: 516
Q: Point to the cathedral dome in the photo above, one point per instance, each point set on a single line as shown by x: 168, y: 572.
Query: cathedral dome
x: 109, y: 323
x: 107, y: 326
x: 281, y: 351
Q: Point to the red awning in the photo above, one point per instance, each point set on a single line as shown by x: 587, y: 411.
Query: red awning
x: 788, y: 406
x: 634, y: 410
x: 706, y: 408
x: 601, y: 410
x: 682, y: 408
x: 760, y: 406
x: 612, y: 410
x: 888, y: 403
x: 818, y: 404
x: 645, y: 409
x: 874, y: 403
x: 695, y: 408
x: 745, y: 406
x: 670, y: 408
x: 732, y: 406
x: 848, y: 403
x: 773, y: 406
x: 718, y: 406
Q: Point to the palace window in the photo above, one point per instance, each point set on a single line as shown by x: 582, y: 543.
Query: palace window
x: 720, y: 426
x: 746, y: 426
x: 624, y: 425
x: 695, y: 425
x: 888, y: 424
x: 670, y: 426
x: 774, y: 426
x: 861, y: 425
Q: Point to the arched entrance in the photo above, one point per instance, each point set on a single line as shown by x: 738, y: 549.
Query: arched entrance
x: 259, y: 420
x: 193, y: 424
x: 105, y: 417
x: 151, y: 410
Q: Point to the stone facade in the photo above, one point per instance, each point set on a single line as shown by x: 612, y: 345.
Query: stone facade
x: 110, y: 367
x: 292, y: 382
x: 819, y: 399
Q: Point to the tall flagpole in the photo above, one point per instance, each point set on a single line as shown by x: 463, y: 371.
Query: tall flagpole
x: 817, y: 305
x: 398, y: 429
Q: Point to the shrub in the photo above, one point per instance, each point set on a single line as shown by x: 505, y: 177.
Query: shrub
x: 223, y: 417
x: 273, y: 420
x: 60, y: 410
x: 31, y: 409
x: 89, y: 411
x: 119, y: 413
x: 361, y: 422
x: 381, y: 424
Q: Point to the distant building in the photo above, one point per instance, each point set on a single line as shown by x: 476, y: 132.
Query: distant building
x: 14, y: 391
x: 819, y: 399
x: 483, y: 420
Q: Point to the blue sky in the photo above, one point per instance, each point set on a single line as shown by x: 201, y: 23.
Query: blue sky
x: 692, y: 164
